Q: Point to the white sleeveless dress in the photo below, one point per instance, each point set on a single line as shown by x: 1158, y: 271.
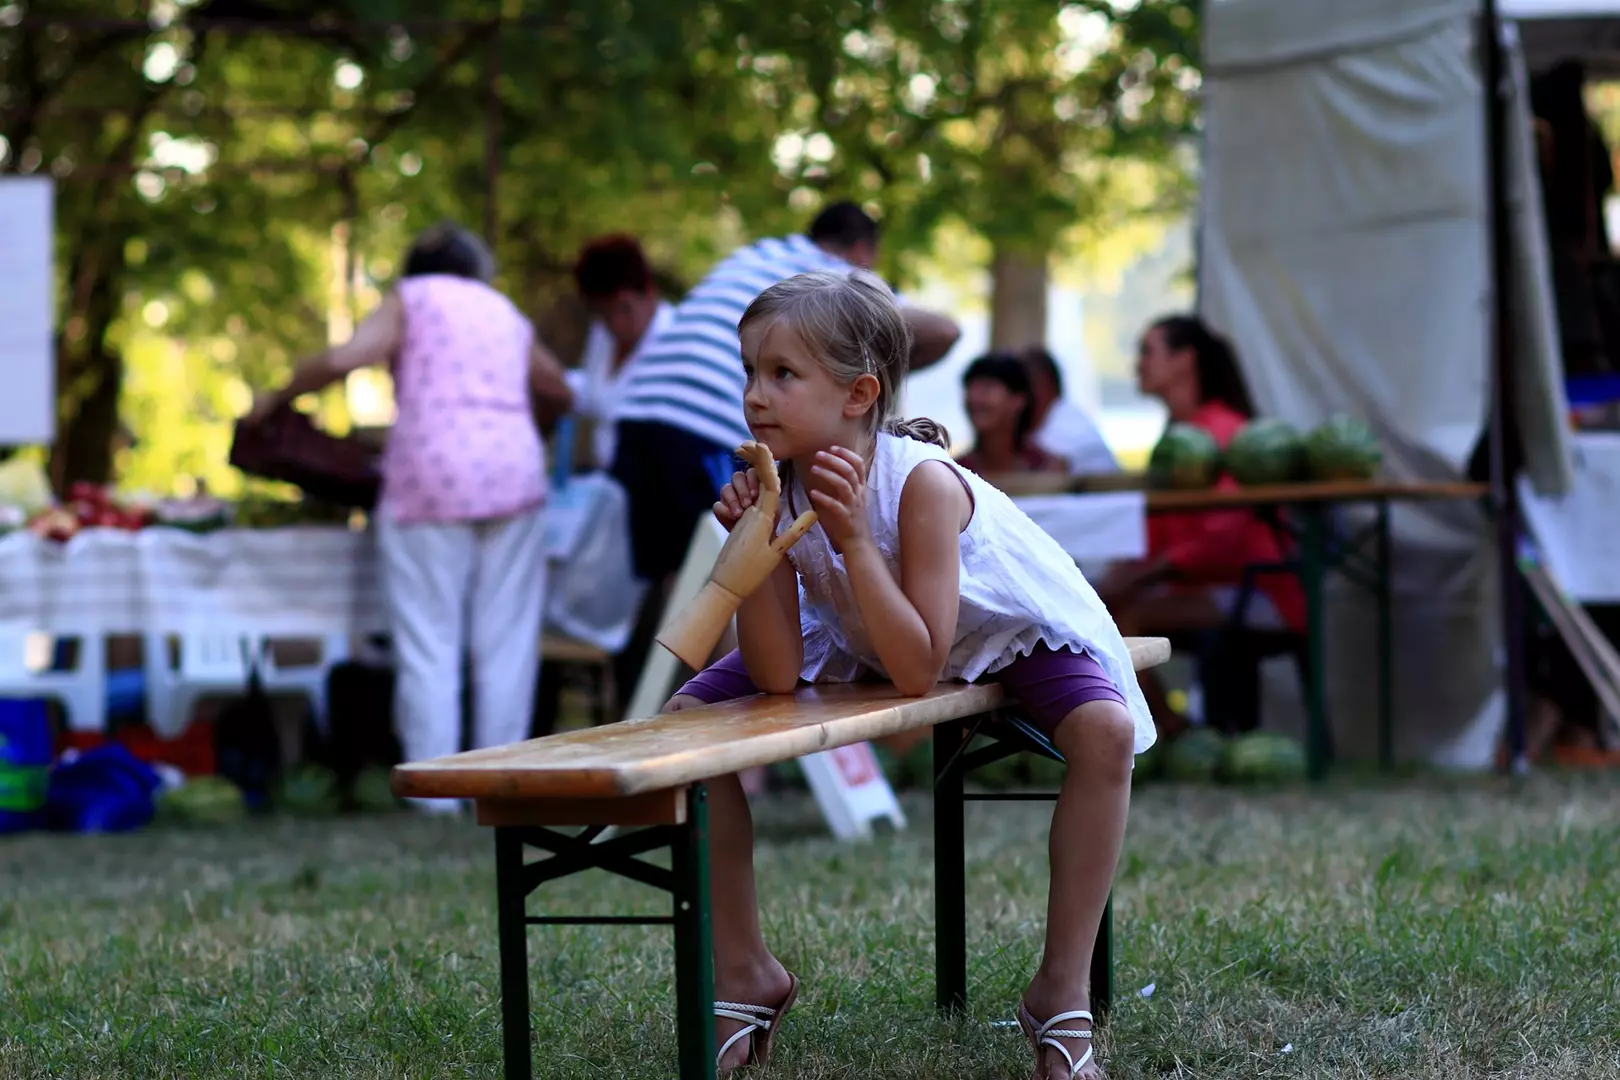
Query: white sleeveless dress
x: 1019, y: 588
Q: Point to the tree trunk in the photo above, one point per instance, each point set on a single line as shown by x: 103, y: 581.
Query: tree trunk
x: 90, y: 376
x: 1017, y: 299
x: 84, y: 444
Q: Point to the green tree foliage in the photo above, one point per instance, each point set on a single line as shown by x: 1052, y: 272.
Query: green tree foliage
x: 237, y: 178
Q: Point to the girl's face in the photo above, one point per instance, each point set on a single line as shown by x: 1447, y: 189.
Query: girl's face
x: 791, y: 402
x: 1159, y: 367
x: 991, y: 407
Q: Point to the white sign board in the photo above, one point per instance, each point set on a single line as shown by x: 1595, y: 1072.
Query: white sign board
x: 27, y: 312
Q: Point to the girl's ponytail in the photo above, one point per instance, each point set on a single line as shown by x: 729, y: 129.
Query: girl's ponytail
x: 920, y: 428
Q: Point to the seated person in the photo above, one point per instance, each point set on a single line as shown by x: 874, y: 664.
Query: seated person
x: 1191, y: 578
x: 1001, y: 407
x: 1061, y: 427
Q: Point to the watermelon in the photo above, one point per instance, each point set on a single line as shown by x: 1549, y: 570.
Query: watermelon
x: 1185, y: 457
x: 307, y: 790
x: 1343, y: 448
x: 1266, y: 451
x: 1260, y: 757
x: 372, y: 795
x: 1195, y: 755
x: 203, y: 800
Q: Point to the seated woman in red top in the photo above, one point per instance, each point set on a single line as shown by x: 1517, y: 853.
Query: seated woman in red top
x: 1192, y: 576
x: 1001, y: 407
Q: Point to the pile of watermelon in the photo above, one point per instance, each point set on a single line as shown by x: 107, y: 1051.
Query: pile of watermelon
x: 1202, y: 755
x: 1265, y: 451
x: 1271, y: 451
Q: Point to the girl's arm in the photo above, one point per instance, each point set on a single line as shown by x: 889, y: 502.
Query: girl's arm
x: 911, y: 622
x: 768, y: 632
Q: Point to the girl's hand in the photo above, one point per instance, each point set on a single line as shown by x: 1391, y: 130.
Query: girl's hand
x: 736, y: 497
x: 838, y: 490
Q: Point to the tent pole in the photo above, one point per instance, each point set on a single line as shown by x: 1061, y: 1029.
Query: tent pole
x: 1504, y: 464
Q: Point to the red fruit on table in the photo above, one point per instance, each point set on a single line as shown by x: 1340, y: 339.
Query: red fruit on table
x: 54, y: 523
x: 109, y: 517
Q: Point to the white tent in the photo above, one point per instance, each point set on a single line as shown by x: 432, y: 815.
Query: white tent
x: 1344, y: 247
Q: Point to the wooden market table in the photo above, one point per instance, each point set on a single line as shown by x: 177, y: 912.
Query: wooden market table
x: 1305, y: 511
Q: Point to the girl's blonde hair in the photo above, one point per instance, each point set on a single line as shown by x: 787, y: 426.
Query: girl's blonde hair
x: 851, y: 323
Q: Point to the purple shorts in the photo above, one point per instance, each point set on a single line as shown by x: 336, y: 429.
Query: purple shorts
x: 1049, y: 685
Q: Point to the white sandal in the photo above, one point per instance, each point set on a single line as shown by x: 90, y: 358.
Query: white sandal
x: 1041, y: 1035
x: 757, y: 1020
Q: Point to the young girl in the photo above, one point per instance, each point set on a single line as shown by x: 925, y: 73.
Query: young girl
x: 916, y: 571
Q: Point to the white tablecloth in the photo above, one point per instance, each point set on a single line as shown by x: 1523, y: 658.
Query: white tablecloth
x: 1576, y: 531
x: 294, y: 582
x: 309, y: 581
x: 318, y: 580
x: 1093, y: 528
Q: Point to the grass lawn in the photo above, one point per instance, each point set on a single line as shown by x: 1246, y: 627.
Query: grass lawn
x: 1419, y: 929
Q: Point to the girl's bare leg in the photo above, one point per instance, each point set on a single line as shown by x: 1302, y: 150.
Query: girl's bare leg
x: 1088, y: 827
x: 744, y: 969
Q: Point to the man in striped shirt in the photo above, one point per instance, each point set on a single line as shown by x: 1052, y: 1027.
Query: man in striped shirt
x: 680, y: 413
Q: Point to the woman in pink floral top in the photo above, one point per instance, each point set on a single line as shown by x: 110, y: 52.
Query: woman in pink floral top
x: 459, y: 525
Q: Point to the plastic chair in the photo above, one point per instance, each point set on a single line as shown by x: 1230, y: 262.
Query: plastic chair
x: 308, y: 679
x: 210, y: 662
x: 82, y: 690
x: 217, y: 662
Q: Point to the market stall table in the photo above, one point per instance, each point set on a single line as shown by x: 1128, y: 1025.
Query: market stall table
x: 1304, y: 511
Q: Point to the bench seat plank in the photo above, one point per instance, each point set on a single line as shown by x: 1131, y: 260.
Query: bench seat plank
x: 677, y: 749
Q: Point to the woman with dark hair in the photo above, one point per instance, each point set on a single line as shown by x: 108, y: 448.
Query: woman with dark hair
x: 1192, y: 577
x: 459, y: 530
x: 1001, y: 407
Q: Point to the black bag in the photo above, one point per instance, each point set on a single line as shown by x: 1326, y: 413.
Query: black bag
x: 360, y: 724
x: 247, y: 751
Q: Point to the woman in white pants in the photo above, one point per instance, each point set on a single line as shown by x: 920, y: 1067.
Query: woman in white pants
x: 459, y: 525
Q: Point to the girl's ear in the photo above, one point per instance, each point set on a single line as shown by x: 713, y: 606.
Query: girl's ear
x: 862, y: 396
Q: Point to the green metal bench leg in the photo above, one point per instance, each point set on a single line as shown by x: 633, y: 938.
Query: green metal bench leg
x: 694, y: 956
x: 1313, y: 568
x: 1102, y: 963
x: 1386, y: 703
x: 950, y: 870
x: 513, y: 929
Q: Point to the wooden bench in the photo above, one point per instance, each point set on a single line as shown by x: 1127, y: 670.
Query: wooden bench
x: 651, y: 772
